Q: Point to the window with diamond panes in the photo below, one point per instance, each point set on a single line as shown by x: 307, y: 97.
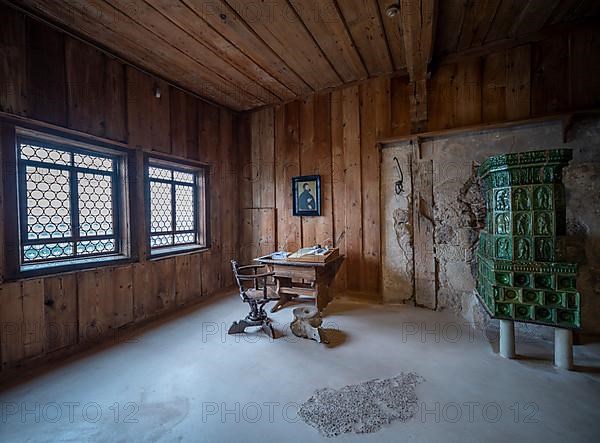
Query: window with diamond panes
x: 173, y: 206
x: 67, y: 202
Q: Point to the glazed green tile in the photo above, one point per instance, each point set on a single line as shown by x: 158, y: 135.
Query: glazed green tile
x: 565, y: 282
x: 522, y: 249
x: 522, y: 223
x: 545, y: 249
x: 544, y: 314
x: 504, y: 278
x: 521, y: 198
x: 543, y: 223
x: 504, y: 310
x: 502, y: 199
x: 544, y: 281
x: 542, y: 198
x: 524, y: 312
x: 503, y: 247
x: 553, y: 299
x: 568, y: 318
x: 510, y: 295
x: 523, y: 280
x: 502, y: 223
x: 572, y: 300
x: 531, y: 296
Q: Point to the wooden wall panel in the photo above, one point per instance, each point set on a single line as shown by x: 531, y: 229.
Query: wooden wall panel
x: 34, y: 329
x: 550, y: 76
x: 455, y: 97
x: 518, y: 82
x: 244, y: 128
x: 229, y: 208
x: 209, y: 141
x: 115, y: 100
x: 154, y: 288
x: 585, y: 68
x: 162, y: 286
x: 12, y: 347
x: 466, y: 87
x: 22, y: 325
x: 60, y: 295
x: 257, y: 233
x: 308, y: 162
x: 323, y: 226
x: 46, y: 82
x: 494, y: 87
x: 262, y: 166
x: 121, y: 291
x: 353, y: 201
x: 143, y: 298
x: 13, y: 62
x: 85, y: 87
x: 95, y: 304
x: 315, y: 159
x: 149, y: 121
x: 369, y: 153
x: 184, y: 125
x: 400, y: 106
x: 188, y: 279
x: 287, y: 149
x: 338, y: 174
x: 440, y: 99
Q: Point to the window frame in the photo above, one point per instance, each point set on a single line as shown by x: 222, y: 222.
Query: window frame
x: 15, y: 213
x: 201, y: 172
x: 74, y: 200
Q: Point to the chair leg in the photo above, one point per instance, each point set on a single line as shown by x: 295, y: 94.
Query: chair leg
x: 256, y: 317
x: 268, y: 328
x: 238, y: 327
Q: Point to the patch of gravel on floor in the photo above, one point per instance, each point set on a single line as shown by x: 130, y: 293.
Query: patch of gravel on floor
x: 362, y: 408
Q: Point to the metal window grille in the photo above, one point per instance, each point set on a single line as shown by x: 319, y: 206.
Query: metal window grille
x: 173, y: 206
x: 67, y: 202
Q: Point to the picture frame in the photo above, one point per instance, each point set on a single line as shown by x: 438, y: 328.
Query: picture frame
x: 306, y: 195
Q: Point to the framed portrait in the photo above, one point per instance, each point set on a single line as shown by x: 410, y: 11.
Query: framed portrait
x: 306, y: 193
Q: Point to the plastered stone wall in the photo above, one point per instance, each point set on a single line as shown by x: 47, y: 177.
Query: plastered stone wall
x: 459, y: 213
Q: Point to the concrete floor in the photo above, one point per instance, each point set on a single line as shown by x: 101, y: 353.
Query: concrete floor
x: 185, y: 379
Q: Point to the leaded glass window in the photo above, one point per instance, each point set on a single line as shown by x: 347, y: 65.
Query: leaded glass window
x: 173, y: 205
x: 67, y: 202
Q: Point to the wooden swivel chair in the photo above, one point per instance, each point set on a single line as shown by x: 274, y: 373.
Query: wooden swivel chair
x: 257, y: 295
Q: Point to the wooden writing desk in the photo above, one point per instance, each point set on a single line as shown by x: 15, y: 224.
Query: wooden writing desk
x: 303, y: 279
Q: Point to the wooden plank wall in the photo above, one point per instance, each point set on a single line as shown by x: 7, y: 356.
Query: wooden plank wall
x: 48, y: 76
x: 334, y: 134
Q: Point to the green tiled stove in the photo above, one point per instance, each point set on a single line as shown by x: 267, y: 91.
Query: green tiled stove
x: 521, y: 274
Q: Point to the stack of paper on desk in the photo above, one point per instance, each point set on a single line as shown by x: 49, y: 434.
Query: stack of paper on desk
x: 314, y: 254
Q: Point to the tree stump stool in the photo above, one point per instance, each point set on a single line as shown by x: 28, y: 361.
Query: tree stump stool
x: 307, y: 324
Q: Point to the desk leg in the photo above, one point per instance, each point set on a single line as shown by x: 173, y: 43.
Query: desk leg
x: 323, y: 296
x: 283, y: 298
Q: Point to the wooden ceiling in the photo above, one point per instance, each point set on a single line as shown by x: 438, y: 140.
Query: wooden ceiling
x: 246, y: 54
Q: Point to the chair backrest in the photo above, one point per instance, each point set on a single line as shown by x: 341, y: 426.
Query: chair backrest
x: 234, y: 267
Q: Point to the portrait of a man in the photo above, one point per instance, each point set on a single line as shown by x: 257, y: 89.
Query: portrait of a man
x: 307, y: 195
x: 306, y: 201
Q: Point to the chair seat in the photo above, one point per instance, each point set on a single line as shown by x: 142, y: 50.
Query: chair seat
x: 258, y: 294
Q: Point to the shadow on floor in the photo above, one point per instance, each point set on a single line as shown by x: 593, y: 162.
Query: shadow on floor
x: 335, y: 337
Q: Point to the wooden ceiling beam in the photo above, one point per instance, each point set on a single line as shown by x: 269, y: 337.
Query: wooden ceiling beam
x: 418, y: 18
